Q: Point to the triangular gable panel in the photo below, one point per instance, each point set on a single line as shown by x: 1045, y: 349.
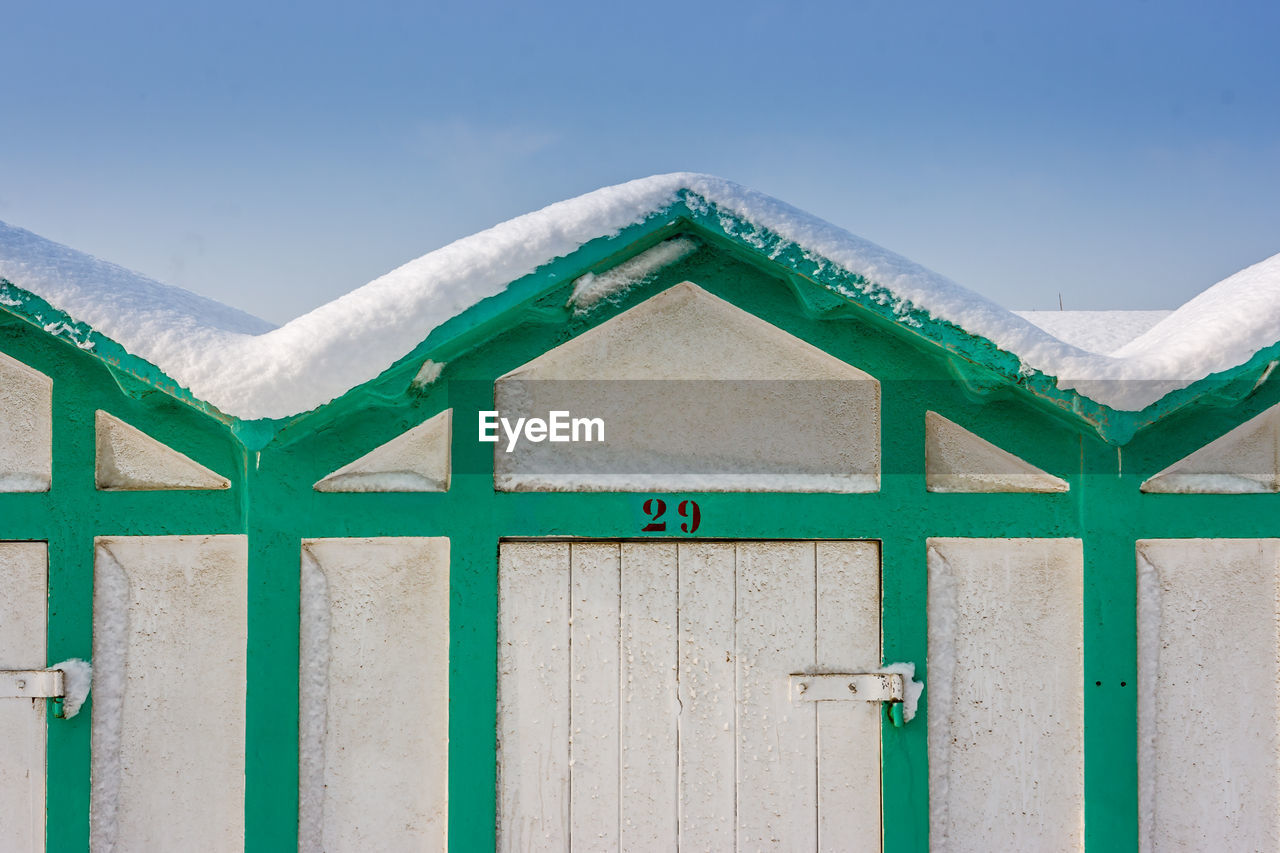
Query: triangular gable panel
x: 692, y: 393
x: 1244, y: 461
x: 130, y: 460
x: 26, y: 428
x: 956, y: 460
x: 416, y: 461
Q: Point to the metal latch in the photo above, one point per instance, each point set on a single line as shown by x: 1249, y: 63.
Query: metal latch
x: 32, y: 684
x: 847, y: 687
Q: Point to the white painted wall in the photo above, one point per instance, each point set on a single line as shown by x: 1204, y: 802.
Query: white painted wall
x: 168, y: 744
x: 644, y: 697
x: 701, y: 396
x: 24, y: 578
x: 1209, y: 694
x: 374, y: 705
x: 26, y: 428
x: 1005, y: 694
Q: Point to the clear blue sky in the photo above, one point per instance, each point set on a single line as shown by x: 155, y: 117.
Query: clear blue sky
x: 274, y: 156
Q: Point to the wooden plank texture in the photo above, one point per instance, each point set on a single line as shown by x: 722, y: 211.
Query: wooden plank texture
x: 533, y: 697
x: 777, y: 741
x: 593, y: 696
x: 645, y: 701
x: 650, y: 709
x: 708, y: 678
x: 24, y: 576
x: 848, y: 625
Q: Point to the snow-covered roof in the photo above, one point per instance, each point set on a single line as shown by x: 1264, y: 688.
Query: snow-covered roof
x: 250, y: 370
x: 1102, y: 332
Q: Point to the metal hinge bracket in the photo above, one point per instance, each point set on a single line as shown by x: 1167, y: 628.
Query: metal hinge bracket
x: 848, y: 687
x: 32, y: 684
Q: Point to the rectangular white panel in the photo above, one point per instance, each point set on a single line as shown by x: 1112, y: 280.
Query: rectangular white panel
x: 374, y: 703
x: 533, y: 697
x: 1005, y: 694
x: 26, y: 428
x: 169, y: 643
x: 1209, y: 694
x: 24, y: 578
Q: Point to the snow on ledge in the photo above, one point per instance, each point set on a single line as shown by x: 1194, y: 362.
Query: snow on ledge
x: 249, y: 370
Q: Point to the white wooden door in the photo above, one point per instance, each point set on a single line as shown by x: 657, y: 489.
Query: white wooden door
x: 24, y: 585
x: 644, y: 700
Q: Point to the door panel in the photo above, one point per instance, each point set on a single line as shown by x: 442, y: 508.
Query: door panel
x: 1006, y: 695
x: 1209, y: 694
x: 170, y: 628
x: 848, y: 605
x: 533, y: 697
x: 708, y: 680
x: 24, y: 584
x: 593, y: 694
x: 649, y: 710
x: 777, y: 741
x: 374, y: 773
x: 644, y: 697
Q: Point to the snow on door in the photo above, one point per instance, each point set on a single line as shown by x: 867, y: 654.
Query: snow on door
x: 644, y: 704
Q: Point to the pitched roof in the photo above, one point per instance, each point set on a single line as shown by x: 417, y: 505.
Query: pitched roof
x: 249, y: 370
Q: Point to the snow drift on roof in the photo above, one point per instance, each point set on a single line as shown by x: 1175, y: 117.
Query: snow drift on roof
x: 1102, y: 332
x: 125, y: 300
x: 248, y: 370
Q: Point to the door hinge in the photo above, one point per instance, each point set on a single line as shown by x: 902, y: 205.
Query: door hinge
x: 848, y: 687
x: 32, y: 684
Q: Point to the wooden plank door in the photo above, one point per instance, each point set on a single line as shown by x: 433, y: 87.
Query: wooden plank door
x: 644, y: 697
x: 24, y: 595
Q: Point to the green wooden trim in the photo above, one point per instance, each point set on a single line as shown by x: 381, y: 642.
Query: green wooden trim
x: 904, y: 773
x: 1107, y: 502
x: 904, y: 765
x: 271, y: 699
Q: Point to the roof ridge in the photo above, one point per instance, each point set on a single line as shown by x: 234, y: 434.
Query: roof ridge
x: 249, y: 370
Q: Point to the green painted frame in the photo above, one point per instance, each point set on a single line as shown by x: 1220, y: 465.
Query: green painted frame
x: 73, y: 513
x: 925, y: 366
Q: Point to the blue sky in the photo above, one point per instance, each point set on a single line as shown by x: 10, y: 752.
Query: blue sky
x: 274, y: 156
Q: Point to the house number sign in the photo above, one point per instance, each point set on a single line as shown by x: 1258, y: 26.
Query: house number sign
x: 656, y: 508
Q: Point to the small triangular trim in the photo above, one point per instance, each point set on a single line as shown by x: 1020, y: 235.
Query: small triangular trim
x: 1244, y: 461
x: 956, y: 460
x: 129, y: 460
x: 415, y: 461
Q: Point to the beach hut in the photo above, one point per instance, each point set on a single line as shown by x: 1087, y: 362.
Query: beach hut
x: 639, y: 522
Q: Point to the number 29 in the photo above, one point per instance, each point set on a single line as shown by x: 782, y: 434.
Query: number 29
x: 655, y: 508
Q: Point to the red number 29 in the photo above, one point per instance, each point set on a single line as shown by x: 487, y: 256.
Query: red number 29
x: 655, y: 508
